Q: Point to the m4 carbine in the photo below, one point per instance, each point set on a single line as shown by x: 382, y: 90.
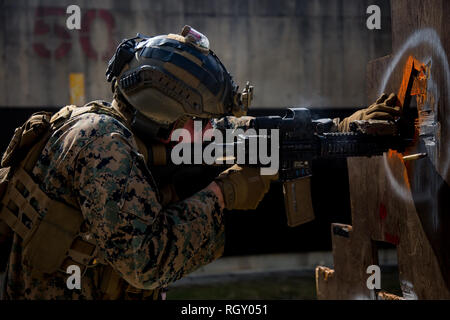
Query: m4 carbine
x: 301, y: 140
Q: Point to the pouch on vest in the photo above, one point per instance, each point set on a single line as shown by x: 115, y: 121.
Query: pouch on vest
x: 52, y: 239
x: 23, y: 139
x: 6, y: 233
x: 20, y: 197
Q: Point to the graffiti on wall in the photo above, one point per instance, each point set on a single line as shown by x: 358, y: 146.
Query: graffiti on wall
x: 54, y: 40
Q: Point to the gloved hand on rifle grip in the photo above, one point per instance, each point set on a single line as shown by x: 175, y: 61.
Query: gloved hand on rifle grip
x: 385, y: 108
x: 243, y: 187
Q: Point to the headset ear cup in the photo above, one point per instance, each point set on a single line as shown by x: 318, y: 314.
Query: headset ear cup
x: 124, y: 53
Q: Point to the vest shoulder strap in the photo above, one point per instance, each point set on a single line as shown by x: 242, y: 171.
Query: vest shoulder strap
x: 99, y: 107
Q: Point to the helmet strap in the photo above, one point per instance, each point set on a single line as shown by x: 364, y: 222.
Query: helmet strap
x: 146, y: 128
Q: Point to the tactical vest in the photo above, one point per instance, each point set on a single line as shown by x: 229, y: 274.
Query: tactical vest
x: 58, y: 239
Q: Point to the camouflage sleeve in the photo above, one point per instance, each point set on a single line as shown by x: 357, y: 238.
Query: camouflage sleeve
x: 150, y: 246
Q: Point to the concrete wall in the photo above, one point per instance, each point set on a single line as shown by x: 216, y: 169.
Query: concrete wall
x: 295, y: 52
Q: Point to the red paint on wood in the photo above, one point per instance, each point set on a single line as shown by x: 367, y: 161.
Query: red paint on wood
x: 382, y: 211
x: 87, y: 47
x: 62, y: 50
x: 40, y: 27
x: 41, y: 50
x: 107, y: 17
x: 61, y: 31
x: 388, y: 237
x: 50, y: 11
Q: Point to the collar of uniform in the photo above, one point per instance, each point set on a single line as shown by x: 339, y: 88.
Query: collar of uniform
x: 127, y: 113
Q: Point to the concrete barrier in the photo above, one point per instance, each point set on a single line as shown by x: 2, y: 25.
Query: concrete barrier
x: 295, y: 52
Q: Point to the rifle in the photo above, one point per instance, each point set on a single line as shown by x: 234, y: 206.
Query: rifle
x: 300, y: 140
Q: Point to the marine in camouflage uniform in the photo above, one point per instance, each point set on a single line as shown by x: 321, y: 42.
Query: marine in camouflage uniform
x: 95, y: 163
x: 94, y: 160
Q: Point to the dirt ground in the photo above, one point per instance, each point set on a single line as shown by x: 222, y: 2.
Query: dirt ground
x: 274, y: 286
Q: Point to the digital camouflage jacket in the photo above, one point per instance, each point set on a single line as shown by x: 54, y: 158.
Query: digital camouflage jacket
x: 93, y: 160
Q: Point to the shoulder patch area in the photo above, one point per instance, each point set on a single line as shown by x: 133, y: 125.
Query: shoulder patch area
x: 93, y: 125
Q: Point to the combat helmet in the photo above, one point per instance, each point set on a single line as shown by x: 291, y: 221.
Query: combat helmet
x: 168, y: 77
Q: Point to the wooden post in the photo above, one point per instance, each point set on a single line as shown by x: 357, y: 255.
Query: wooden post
x: 405, y: 203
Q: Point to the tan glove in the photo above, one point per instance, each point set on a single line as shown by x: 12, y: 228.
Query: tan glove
x: 385, y: 108
x: 243, y: 187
